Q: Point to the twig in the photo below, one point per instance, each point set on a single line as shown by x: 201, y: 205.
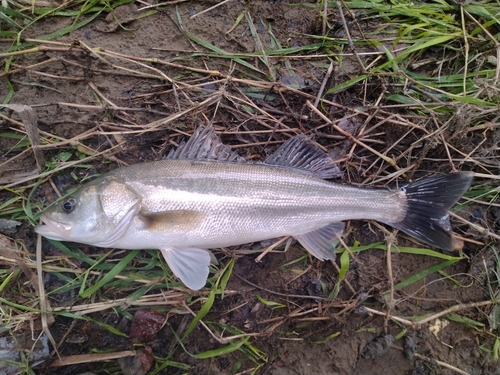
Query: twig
x: 87, y: 358
x: 300, y: 274
x: 418, y: 323
x: 466, y: 48
x: 480, y: 229
x: 348, y: 35
x: 44, y: 303
x: 209, y: 9
x: 163, y: 4
x: 390, y: 241
x: 284, y: 294
x: 216, y: 338
x: 455, y: 308
x: 66, y: 165
x: 396, y: 318
x: 351, y: 137
x: 493, y: 39
x: 269, y: 248
x: 438, y: 362
x: 260, y: 46
x: 323, y: 84
x: 325, y: 17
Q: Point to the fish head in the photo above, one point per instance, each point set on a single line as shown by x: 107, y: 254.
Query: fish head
x: 96, y: 214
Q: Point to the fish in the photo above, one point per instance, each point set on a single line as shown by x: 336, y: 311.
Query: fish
x: 203, y: 196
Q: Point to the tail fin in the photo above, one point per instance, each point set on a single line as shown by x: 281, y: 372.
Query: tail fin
x: 429, y: 200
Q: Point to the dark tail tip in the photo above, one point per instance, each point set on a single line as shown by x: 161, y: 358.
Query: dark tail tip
x: 429, y: 200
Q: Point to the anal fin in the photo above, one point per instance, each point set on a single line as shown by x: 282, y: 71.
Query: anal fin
x: 322, y: 242
x: 191, y: 265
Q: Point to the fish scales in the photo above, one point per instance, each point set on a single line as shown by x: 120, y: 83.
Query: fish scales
x: 250, y: 202
x: 206, y: 196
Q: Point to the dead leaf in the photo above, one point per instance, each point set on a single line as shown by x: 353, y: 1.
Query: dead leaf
x: 28, y: 117
x: 145, y: 325
x: 138, y: 364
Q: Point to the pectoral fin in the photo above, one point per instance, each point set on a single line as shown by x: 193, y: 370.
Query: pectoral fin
x: 175, y: 220
x: 190, y: 265
x: 322, y: 242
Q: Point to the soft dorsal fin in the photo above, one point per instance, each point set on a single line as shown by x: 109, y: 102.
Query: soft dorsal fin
x: 301, y: 153
x: 204, y: 144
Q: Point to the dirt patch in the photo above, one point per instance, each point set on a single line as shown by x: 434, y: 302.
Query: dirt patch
x: 126, y: 87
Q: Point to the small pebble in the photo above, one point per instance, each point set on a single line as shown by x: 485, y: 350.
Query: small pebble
x: 8, y: 227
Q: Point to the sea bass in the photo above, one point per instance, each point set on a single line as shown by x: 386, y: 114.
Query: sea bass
x: 206, y: 196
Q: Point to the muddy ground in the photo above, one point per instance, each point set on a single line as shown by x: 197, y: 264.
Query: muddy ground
x: 303, y: 335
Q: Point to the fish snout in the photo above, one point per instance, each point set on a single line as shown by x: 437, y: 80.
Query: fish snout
x: 53, y: 229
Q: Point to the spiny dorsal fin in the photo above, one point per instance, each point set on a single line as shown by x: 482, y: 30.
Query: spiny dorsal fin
x: 301, y: 153
x: 204, y: 144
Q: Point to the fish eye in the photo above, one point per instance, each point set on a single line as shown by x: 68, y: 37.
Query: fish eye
x: 68, y: 205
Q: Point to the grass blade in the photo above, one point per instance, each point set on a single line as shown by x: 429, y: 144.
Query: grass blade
x: 201, y: 314
x: 221, y: 351
x: 110, y: 275
x: 424, y: 274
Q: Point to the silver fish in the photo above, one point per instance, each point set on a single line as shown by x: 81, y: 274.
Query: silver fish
x: 205, y: 196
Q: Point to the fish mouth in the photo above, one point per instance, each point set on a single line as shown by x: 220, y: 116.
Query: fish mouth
x: 53, y: 229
